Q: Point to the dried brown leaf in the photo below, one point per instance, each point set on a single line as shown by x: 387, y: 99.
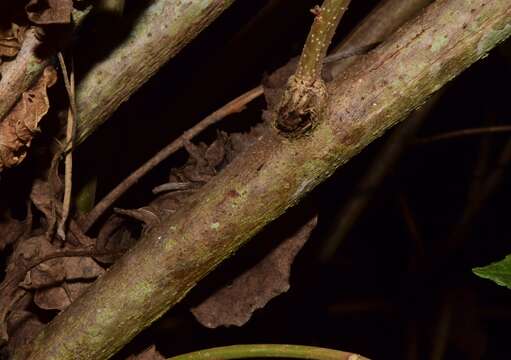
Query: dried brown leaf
x: 10, y: 40
x: 22, y: 123
x: 58, y: 282
x: 43, y: 197
x: 149, y: 354
x: 215, y: 154
x: 115, y: 238
x: 252, y: 290
x: 9, y: 46
x: 11, y: 230
x: 23, y: 326
x: 45, y: 12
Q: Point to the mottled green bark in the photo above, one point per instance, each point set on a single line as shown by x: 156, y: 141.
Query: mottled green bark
x: 383, y: 20
x: 269, y: 351
x: 161, y: 31
x: 326, y: 20
x: 272, y: 175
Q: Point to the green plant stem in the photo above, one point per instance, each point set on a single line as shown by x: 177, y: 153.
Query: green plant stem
x: 314, y: 51
x: 269, y: 350
x: 303, y: 102
x: 86, y: 196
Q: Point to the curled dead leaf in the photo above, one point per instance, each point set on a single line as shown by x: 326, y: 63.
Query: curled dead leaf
x: 45, y: 12
x: 22, y: 123
x: 252, y: 290
x: 58, y: 282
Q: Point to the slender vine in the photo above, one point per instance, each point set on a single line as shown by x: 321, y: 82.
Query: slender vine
x: 271, y: 351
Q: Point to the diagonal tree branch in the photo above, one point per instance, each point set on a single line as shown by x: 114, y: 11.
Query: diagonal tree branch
x: 383, y: 20
x: 271, y: 176
x: 161, y: 31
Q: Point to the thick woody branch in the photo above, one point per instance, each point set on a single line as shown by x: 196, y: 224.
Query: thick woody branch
x: 383, y: 20
x: 376, y: 28
x: 161, y: 31
x: 272, y: 175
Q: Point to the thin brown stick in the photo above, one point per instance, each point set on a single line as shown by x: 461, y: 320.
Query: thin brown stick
x: 412, y: 226
x: 70, y: 131
x: 476, y: 202
x: 463, y: 133
x: 390, y: 154
x: 231, y: 107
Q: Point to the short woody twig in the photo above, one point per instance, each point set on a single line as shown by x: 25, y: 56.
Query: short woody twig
x: 305, y: 96
x: 69, y: 82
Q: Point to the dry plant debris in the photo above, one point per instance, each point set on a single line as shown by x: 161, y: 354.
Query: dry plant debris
x: 22, y: 123
x: 148, y: 354
x: 252, y: 290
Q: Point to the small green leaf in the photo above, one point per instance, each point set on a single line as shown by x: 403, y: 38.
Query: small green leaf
x: 499, y: 272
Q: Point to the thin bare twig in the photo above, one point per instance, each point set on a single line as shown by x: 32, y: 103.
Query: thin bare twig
x: 463, y: 133
x: 380, y: 167
x: 477, y: 201
x: 412, y: 226
x: 232, y: 107
x: 69, y: 81
x: 444, y: 325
